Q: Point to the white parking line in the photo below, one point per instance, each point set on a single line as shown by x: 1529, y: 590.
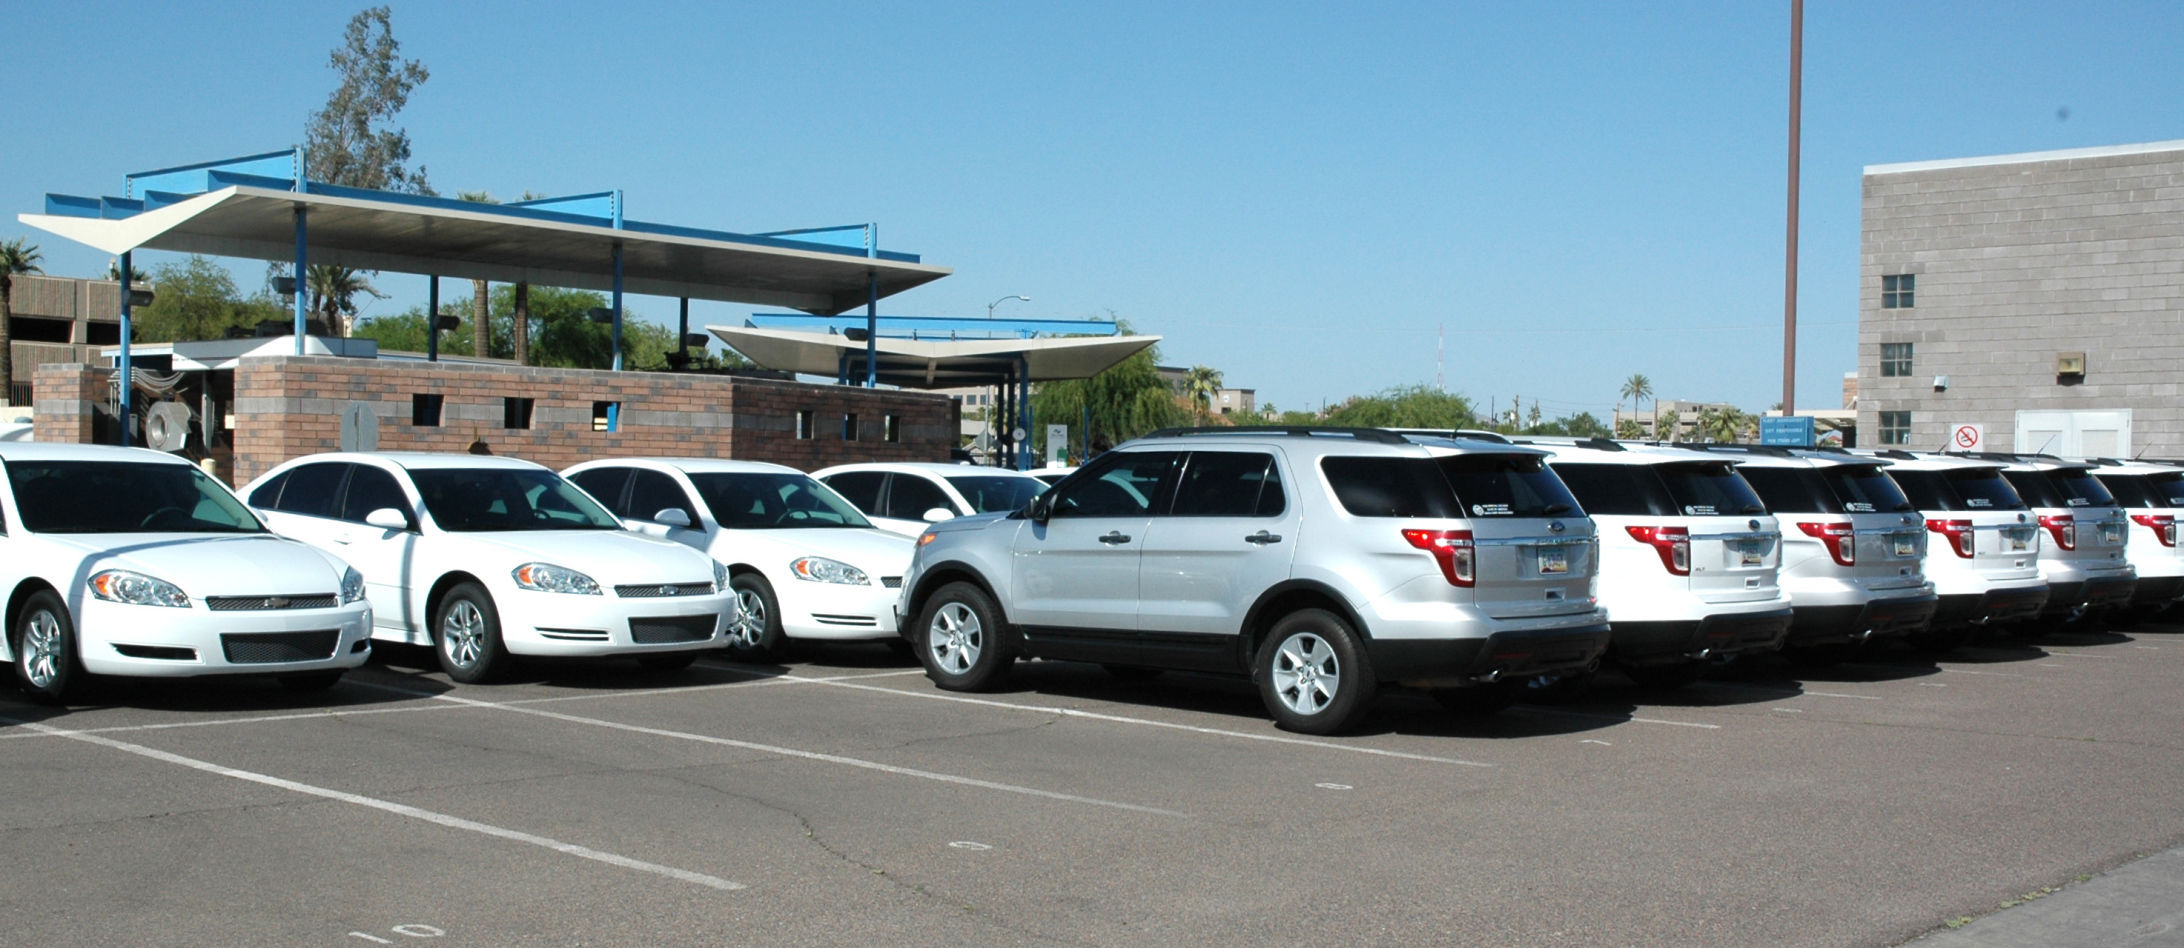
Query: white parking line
x: 1536, y: 709
x: 441, y: 819
x: 1147, y: 722
x: 2097, y: 658
x: 1837, y: 694
x: 791, y: 752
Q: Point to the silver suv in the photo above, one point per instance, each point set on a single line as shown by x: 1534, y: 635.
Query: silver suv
x: 1321, y: 562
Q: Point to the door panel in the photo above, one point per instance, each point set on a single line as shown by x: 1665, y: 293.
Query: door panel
x: 1080, y: 568
x: 1229, y: 535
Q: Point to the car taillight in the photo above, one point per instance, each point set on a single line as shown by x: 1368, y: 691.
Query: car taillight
x: 1672, y: 543
x: 1841, y: 543
x: 2163, y: 525
x: 2064, y: 528
x: 1959, y: 533
x: 1450, y: 548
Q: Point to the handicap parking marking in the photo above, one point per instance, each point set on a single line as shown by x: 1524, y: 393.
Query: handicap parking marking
x: 1148, y: 722
x: 799, y: 754
x: 398, y: 809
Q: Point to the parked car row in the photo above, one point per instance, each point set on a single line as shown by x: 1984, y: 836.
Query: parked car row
x: 1322, y: 564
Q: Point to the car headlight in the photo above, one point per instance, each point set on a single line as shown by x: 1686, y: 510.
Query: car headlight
x: 720, y: 576
x: 546, y: 577
x: 120, y: 585
x: 352, y: 586
x: 819, y: 569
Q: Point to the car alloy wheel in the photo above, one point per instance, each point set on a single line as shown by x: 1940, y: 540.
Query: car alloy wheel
x: 1313, y: 674
x: 956, y: 638
x: 1307, y: 675
x: 462, y: 634
x: 963, y: 643
x: 45, y: 650
x: 750, y: 629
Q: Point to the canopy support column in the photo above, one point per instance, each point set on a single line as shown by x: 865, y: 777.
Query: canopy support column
x: 432, y: 319
x: 303, y: 295
x: 872, y: 330
x: 128, y: 381
x: 1023, y: 412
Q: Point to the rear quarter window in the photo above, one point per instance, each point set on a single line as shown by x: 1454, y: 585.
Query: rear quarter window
x: 1389, y: 487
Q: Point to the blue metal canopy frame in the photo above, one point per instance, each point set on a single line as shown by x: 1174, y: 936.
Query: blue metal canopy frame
x: 221, y: 207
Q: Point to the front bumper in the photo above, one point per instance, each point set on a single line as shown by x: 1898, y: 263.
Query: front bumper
x: 161, y: 642
x: 568, y: 626
x: 837, y: 611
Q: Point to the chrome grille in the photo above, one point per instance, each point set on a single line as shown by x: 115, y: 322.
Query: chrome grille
x: 257, y: 648
x: 266, y: 603
x: 663, y: 590
x: 664, y: 629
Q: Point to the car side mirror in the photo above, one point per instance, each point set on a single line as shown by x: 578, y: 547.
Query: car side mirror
x: 1042, y: 508
x: 387, y: 518
x: 672, y: 517
x: 938, y: 514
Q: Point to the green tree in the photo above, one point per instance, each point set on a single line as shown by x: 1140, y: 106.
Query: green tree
x: 1415, y: 406
x: 1126, y: 400
x: 352, y: 141
x: 1724, y: 424
x: 1635, y: 388
x: 1200, y: 384
x: 480, y: 322
x: 196, y: 299
x: 15, y: 257
x: 1629, y: 428
x: 333, y: 297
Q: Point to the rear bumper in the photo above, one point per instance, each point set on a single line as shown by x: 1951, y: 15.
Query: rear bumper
x: 1994, y: 605
x: 1719, y: 634
x: 2156, y: 590
x: 1506, y: 654
x: 2099, y: 592
x: 1880, y: 618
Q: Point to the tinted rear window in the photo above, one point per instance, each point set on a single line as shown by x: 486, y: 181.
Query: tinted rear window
x: 1863, y: 489
x: 1791, y: 489
x: 2169, y: 486
x: 2034, y: 487
x: 1389, y: 487
x: 1506, y: 485
x: 1927, y: 490
x: 2079, y: 488
x: 2130, y: 490
x: 1966, y: 489
x: 1617, y: 490
x: 1709, y: 490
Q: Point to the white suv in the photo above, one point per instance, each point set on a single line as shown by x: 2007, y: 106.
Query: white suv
x: 1853, y: 547
x: 1689, y: 557
x: 1983, y: 548
x: 1321, y: 562
x: 2152, y: 495
x: 2083, y: 560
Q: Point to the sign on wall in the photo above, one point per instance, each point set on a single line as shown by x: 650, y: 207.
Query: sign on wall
x: 1057, y: 445
x: 1967, y: 436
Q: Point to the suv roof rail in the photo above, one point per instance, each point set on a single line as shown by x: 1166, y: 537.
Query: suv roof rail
x: 1897, y: 453
x: 1379, y: 435
x: 1595, y: 442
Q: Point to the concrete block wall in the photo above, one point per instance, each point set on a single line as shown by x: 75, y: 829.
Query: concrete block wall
x: 66, y: 392
x: 2019, y: 258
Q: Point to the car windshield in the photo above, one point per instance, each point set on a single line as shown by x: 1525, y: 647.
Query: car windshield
x: 763, y: 501
x: 124, y: 497
x: 483, y: 500
x: 1710, y: 490
x: 1862, y: 488
x: 988, y: 493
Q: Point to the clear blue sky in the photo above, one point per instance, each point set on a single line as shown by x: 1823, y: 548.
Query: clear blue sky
x: 1299, y: 195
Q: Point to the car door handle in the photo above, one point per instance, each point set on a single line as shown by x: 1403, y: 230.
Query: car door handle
x: 1114, y: 537
x: 1263, y: 538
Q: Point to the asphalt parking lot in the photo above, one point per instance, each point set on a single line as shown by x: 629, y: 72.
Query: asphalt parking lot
x: 840, y: 798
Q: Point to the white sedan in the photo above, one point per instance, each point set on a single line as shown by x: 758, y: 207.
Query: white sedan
x: 485, y: 558
x: 803, y: 562
x: 123, y: 561
x: 905, y: 496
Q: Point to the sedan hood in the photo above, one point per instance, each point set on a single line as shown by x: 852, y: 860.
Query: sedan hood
x: 256, y: 565
x: 612, y: 557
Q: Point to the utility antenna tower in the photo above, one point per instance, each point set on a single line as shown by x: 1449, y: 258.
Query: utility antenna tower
x: 1440, y: 359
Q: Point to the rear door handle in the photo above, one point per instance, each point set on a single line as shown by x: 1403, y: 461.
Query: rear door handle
x: 1263, y: 538
x: 1115, y: 537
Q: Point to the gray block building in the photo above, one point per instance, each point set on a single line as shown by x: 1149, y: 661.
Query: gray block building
x: 2035, y: 301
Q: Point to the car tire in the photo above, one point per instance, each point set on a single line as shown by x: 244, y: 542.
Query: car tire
x: 1312, y: 673
x: 962, y: 641
x: 44, y: 640
x: 669, y: 662
x: 466, y: 635
x: 1668, y: 677
x: 310, y: 682
x: 757, y: 635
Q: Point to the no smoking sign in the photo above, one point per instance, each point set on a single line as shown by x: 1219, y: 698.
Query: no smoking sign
x: 1968, y: 437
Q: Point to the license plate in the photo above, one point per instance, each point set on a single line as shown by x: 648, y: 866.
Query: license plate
x: 1905, y: 546
x: 1552, y: 560
x: 2017, y: 540
x: 1751, y: 553
x: 2111, y: 534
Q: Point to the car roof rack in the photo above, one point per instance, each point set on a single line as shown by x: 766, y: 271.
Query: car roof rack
x: 1897, y: 453
x: 1377, y: 435
x: 1595, y: 442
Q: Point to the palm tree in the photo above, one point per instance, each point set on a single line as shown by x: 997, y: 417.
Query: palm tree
x: 1635, y: 388
x: 333, y: 296
x: 481, y: 327
x: 15, y: 257
x: 1201, y: 384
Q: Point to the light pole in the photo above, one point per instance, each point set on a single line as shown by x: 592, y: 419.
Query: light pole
x: 990, y: 306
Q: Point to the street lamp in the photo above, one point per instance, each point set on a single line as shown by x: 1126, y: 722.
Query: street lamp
x: 990, y: 306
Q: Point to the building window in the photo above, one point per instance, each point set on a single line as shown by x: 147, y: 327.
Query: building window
x: 1895, y: 360
x: 803, y: 425
x: 891, y: 428
x: 1896, y: 290
x: 515, y: 412
x: 849, y: 426
x: 1895, y: 427
x: 424, y: 410
x: 606, y: 416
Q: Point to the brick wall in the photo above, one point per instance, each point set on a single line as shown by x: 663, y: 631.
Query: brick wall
x: 287, y: 406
